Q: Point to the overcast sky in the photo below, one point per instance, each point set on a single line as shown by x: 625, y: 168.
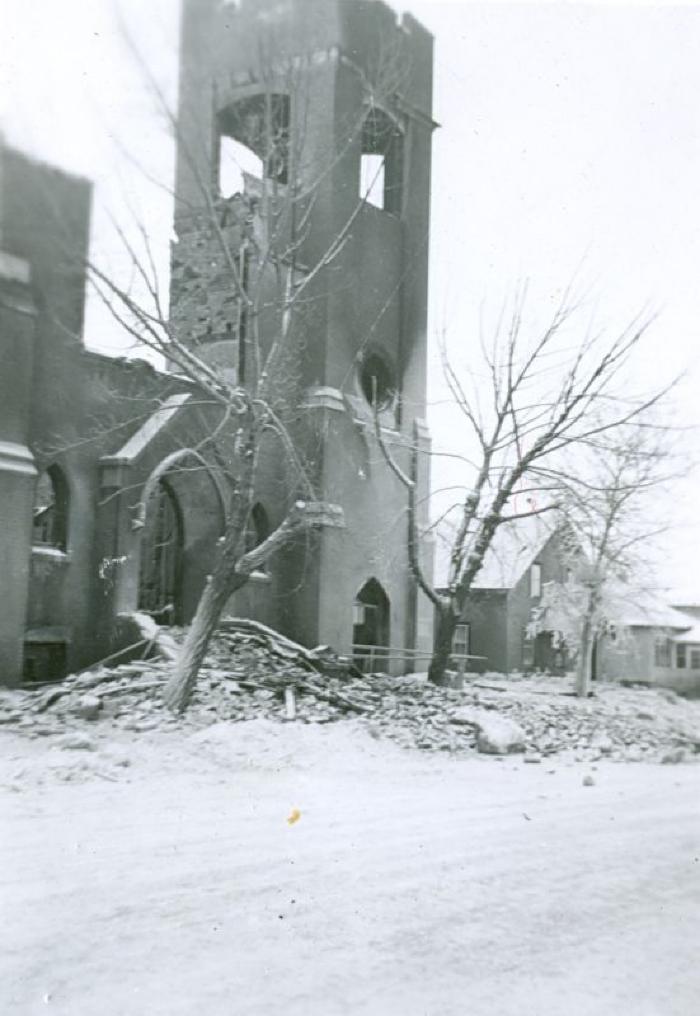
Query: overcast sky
x: 569, y: 142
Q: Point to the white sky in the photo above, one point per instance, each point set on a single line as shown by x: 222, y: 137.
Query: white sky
x: 570, y: 140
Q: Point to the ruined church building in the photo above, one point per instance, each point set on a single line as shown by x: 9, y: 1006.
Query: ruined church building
x: 75, y: 454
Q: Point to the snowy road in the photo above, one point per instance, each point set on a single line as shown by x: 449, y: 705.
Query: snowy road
x: 412, y: 885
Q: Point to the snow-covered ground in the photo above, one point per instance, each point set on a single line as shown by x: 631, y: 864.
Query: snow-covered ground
x: 160, y: 874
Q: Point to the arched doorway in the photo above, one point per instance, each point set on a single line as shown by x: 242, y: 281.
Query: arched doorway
x: 371, y: 627
x: 160, y: 574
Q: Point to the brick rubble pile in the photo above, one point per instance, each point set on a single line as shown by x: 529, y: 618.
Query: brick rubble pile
x: 246, y: 674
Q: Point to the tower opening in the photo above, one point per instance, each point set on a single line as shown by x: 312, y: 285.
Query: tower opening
x: 254, y: 139
x: 381, y: 162
x: 372, y: 172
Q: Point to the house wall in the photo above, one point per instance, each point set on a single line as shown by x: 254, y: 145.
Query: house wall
x: 520, y: 605
x: 631, y: 658
x: 486, y: 613
x: 499, y: 617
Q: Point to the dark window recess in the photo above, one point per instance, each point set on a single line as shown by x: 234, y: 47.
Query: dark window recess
x: 377, y: 381
x: 44, y: 661
x: 50, y: 516
x: 254, y: 138
x: 381, y: 162
x: 695, y: 659
x: 681, y: 656
x: 160, y: 576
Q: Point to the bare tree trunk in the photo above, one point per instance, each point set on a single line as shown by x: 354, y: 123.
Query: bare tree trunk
x: 583, y: 678
x: 178, y: 691
x: 442, y: 650
x: 230, y: 574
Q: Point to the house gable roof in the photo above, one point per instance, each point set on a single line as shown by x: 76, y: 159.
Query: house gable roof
x: 644, y: 608
x: 514, y: 548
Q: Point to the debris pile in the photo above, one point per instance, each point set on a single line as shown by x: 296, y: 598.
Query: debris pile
x: 252, y: 672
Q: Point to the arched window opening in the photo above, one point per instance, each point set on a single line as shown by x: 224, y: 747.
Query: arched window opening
x: 254, y: 139
x: 50, y: 516
x: 381, y: 162
x: 371, y: 627
x: 161, y: 557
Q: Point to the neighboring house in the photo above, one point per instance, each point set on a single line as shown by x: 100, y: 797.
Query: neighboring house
x: 646, y: 641
x: 649, y: 642
x: 524, y: 556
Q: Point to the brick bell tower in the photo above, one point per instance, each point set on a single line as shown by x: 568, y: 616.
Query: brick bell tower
x: 345, y: 89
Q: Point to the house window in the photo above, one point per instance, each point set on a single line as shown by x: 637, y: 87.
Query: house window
x: 460, y: 640
x: 662, y: 652
x: 535, y: 581
x: 612, y: 633
x: 50, y: 515
x: 681, y: 656
x: 695, y: 659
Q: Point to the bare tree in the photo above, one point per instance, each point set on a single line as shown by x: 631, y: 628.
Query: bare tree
x: 608, y: 530
x: 250, y: 272
x: 527, y: 404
